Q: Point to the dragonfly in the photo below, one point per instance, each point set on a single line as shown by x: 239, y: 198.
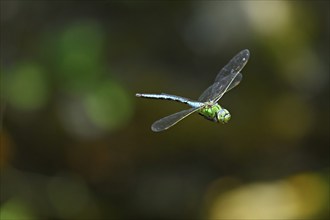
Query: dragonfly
x: 207, y: 104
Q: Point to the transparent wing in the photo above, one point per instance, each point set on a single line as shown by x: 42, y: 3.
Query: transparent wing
x: 235, y: 82
x: 227, y: 78
x: 169, y: 121
x: 207, y: 94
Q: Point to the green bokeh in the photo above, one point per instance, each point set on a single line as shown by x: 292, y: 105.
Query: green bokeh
x: 16, y: 209
x: 26, y: 86
x: 79, y: 56
x: 109, y: 105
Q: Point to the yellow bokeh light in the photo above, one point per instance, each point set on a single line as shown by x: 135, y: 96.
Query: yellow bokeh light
x: 300, y: 196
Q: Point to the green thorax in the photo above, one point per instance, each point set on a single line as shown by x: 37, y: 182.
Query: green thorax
x: 210, y: 111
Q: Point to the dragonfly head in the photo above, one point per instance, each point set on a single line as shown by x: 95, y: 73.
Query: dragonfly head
x: 223, y: 116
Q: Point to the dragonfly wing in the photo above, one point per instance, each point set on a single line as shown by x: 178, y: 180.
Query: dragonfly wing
x: 207, y: 93
x: 218, y: 88
x: 223, y: 87
x: 169, y: 121
x: 236, y: 64
x: 226, y: 78
x: 235, y: 82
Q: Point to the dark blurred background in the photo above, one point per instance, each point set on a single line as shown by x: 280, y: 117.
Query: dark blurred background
x: 76, y: 143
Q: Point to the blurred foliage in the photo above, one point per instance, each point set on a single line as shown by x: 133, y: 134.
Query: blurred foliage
x: 27, y: 77
x: 77, y: 144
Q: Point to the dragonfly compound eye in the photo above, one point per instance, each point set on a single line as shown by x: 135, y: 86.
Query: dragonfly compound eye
x: 223, y: 116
